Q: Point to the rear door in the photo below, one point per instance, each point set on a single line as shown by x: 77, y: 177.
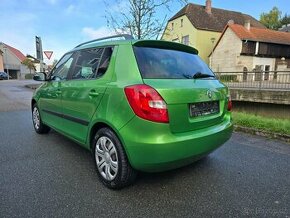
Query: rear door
x: 194, y: 97
x: 82, y: 93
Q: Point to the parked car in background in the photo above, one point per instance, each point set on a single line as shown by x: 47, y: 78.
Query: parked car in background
x: 3, y: 76
x: 144, y: 105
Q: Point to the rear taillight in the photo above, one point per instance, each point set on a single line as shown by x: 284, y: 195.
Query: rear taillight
x: 230, y: 104
x: 147, y: 103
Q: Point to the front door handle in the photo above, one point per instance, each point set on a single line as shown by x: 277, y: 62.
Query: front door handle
x: 93, y: 93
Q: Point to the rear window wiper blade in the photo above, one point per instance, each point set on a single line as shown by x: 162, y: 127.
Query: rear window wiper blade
x: 201, y: 75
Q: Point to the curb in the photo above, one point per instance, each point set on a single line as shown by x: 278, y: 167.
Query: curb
x: 32, y: 86
x: 282, y: 137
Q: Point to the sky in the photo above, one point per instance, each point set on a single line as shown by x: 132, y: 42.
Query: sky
x: 62, y: 24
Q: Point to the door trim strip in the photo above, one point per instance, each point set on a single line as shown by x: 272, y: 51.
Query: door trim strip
x: 68, y: 117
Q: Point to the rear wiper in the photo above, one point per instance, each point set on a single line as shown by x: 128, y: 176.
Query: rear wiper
x: 201, y: 75
x: 188, y: 76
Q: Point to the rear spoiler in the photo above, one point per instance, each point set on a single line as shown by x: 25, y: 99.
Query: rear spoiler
x: 165, y: 45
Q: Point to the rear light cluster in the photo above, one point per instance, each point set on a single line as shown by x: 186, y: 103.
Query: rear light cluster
x: 147, y: 103
x: 230, y: 104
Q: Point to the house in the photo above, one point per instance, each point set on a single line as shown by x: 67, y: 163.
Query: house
x: 242, y: 48
x: 285, y: 28
x: 11, y: 59
x: 201, y: 26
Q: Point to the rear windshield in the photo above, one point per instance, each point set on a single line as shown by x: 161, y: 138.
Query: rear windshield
x: 157, y: 63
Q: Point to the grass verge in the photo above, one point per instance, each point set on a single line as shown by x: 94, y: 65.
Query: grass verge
x: 273, y: 125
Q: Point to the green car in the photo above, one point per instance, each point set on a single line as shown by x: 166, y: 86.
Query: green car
x: 138, y: 105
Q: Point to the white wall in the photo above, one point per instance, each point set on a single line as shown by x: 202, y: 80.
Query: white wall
x: 264, y: 62
x: 225, y: 56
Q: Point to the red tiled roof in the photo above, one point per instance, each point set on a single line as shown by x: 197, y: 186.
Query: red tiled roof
x: 257, y: 35
x: 217, y: 20
x: 260, y: 35
x: 16, y: 52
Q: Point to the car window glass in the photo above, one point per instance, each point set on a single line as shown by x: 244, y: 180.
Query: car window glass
x: 105, y: 61
x: 87, y: 64
x: 157, y: 63
x: 62, y: 68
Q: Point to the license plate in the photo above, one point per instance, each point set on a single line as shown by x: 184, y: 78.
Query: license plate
x: 204, y: 108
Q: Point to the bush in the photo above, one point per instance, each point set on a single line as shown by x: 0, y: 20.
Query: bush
x: 273, y: 125
x: 228, y: 78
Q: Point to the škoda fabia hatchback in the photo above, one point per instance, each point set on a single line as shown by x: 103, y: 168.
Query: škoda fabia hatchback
x: 138, y: 105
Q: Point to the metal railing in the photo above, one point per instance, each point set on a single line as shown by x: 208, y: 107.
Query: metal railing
x: 277, y: 80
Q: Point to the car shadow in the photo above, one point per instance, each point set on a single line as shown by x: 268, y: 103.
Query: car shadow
x: 158, y: 179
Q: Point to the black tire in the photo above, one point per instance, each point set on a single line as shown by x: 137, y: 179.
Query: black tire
x: 39, y: 126
x: 109, y: 156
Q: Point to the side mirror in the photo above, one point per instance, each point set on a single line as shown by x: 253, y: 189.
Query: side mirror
x: 40, y: 76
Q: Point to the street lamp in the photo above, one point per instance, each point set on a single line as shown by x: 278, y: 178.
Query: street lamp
x: 5, y: 51
x: 212, y: 41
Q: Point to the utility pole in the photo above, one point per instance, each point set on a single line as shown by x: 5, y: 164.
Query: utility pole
x: 7, y: 68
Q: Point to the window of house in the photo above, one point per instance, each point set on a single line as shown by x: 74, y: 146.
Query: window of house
x: 172, y: 26
x: 258, y: 72
x: 185, y: 40
x: 267, y: 72
x: 245, y: 73
x: 248, y: 48
x: 181, y: 23
x: 273, y: 50
x: 61, y: 69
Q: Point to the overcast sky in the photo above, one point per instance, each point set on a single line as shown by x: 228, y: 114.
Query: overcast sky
x: 62, y: 24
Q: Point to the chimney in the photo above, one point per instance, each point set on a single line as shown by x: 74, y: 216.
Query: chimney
x: 247, y: 24
x: 208, y: 6
x: 230, y: 22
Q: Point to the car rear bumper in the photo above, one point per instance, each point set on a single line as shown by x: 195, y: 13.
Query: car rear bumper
x: 152, y: 147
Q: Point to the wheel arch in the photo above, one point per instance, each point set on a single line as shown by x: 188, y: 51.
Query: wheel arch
x: 33, y: 101
x: 101, y: 124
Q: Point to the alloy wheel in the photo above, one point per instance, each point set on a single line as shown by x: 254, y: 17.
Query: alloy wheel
x: 36, y: 118
x: 106, y: 158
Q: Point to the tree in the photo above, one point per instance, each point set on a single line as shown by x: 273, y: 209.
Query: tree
x: 29, y: 64
x: 272, y: 19
x: 285, y: 20
x: 141, y: 18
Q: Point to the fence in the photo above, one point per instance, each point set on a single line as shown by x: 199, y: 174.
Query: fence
x: 279, y: 80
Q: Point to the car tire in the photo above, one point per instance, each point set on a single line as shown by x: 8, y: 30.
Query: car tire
x: 38, y: 125
x: 112, y: 165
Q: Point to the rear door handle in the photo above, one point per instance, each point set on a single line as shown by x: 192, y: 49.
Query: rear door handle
x: 93, y: 93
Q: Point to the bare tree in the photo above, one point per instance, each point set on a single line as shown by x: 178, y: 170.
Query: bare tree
x: 140, y: 18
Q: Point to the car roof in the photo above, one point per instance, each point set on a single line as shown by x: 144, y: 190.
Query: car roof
x: 141, y: 43
x: 102, y: 43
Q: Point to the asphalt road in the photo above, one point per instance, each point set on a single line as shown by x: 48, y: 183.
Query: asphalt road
x: 51, y: 176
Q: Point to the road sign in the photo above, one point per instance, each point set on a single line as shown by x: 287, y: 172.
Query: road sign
x: 48, y: 54
x: 38, y: 43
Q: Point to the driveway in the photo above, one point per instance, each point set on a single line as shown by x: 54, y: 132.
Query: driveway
x: 51, y: 176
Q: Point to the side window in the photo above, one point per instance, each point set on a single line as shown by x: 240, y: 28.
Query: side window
x: 105, y: 61
x: 62, y: 67
x: 92, y: 63
x: 87, y: 64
